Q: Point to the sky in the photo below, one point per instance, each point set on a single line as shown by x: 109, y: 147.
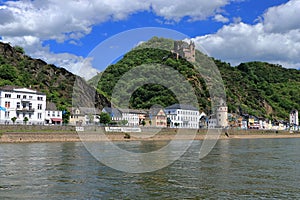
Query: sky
x: 75, y: 33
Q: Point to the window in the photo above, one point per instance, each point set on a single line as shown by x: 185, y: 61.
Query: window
x: 30, y: 97
x: 18, y: 96
x: 39, y: 115
x: 40, y: 98
x: 48, y: 114
x: 18, y: 105
x: 24, y: 96
x: 30, y: 115
x: 53, y: 113
x: 7, y: 114
x: 39, y: 107
x: 7, y: 104
x: 18, y: 115
x: 7, y: 95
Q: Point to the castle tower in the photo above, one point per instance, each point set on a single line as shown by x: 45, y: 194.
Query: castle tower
x: 185, y: 50
x: 222, y: 114
x: 294, y: 120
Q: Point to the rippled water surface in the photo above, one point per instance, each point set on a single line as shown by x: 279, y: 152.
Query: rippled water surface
x: 235, y: 169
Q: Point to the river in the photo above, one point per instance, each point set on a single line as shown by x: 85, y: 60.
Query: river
x: 234, y: 169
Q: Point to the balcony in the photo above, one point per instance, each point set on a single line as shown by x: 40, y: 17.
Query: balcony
x: 25, y: 110
x: 25, y: 100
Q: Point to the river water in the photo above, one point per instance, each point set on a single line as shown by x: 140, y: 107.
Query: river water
x: 235, y: 169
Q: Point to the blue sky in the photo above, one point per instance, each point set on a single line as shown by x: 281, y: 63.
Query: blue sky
x: 66, y: 32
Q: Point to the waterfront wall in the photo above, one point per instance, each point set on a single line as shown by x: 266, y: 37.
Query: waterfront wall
x: 36, y: 128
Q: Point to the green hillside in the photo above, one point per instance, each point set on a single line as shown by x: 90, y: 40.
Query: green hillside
x: 151, y: 94
x: 18, y: 69
x: 255, y: 88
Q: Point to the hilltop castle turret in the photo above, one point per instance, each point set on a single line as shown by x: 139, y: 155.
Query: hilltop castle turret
x: 185, y: 50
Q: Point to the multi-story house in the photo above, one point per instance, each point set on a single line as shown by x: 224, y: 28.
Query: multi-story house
x: 183, y: 116
x: 52, y: 115
x: 26, y: 106
x: 132, y: 117
x: 82, y: 116
x: 158, y: 117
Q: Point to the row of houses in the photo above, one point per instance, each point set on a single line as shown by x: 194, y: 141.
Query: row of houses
x: 31, y: 107
x: 252, y: 122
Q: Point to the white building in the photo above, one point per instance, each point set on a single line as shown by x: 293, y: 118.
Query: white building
x: 129, y: 115
x: 183, y: 116
x: 294, y: 120
x: 22, y: 103
x: 52, y: 115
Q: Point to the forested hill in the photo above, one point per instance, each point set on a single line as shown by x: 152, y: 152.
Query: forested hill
x: 18, y: 69
x: 255, y: 88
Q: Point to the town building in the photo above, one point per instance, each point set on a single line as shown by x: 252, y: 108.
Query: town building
x: 132, y: 117
x: 25, y: 105
x: 52, y: 115
x: 114, y: 113
x: 183, y: 116
x: 158, y: 117
x: 294, y: 120
x: 84, y: 116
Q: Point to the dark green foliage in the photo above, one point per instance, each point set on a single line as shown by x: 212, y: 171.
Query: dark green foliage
x: 104, y: 118
x: 8, y: 72
x: 151, y: 94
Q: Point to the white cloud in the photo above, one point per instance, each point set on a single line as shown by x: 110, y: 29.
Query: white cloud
x: 195, y: 10
x: 221, y: 18
x: 29, y: 23
x: 274, y: 39
x: 283, y: 18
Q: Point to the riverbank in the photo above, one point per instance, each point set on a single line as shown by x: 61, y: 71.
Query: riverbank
x: 167, y: 134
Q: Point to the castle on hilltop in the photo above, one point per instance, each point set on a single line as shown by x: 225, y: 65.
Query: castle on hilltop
x: 185, y: 50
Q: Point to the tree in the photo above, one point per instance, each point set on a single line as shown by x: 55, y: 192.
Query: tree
x: 25, y: 120
x: 104, y: 118
x: 65, y: 116
x: 13, y: 119
x: 8, y: 72
x: 124, y: 122
x: 91, y: 118
x: 143, y: 123
x: 176, y: 124
x: 19, y: 49
x: 168, y: 121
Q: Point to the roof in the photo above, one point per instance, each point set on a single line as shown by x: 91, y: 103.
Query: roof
x: 113, y: 112
x: 134, y: 111
x: 181, y: 106
x: 155, y: 110
x: 84, y: 111
x: 10, y: 88
x: 294, y: 111
x: 50, y: 106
